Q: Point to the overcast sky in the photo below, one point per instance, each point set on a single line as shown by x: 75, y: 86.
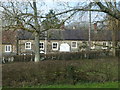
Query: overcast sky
x: 57, y: 5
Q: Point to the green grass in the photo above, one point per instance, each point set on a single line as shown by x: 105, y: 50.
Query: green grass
x: 82, y: 85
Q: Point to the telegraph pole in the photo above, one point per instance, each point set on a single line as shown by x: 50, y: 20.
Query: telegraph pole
x: 89, y: 31
x: 45, y: 42
x: 0, y: 52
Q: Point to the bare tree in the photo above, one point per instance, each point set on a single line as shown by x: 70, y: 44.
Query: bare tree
x: 109, y: 8
x: 112, y: 10
x: 25, y: 16
x: 103, y: 7
x: 22, y: 19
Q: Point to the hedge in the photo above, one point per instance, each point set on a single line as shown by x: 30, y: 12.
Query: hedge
x: 23, y: 74
x: 62, y: 56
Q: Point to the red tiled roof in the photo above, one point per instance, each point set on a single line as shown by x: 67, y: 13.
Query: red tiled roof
x: 8, y: 36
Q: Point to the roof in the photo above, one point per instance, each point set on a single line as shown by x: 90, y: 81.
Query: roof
x: 25, y: 35
x: 101, y: 35
x: 58, y: 34
x: 8, y: 36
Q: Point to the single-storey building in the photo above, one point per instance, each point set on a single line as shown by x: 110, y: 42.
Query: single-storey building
x: 56, y: 40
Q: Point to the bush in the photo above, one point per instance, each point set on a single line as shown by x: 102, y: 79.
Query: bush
x: 23, y: 58
x: 59, y: 56
x: 59, y: 72
x: 118, y: 53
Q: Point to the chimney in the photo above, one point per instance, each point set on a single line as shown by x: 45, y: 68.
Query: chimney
x: 62, y: 26
x: 95, y: 26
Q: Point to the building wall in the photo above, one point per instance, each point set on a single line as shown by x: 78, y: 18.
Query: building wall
x: 49, y: 45
x: 13, y: 49
x: 22, y: 46
x: 65, y: 41
x: 81, y: 45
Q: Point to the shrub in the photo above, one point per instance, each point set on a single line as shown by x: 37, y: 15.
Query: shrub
x: 118, y: 53
x: 59, y: 56
x: 59, y: 72
x: 23, y: 58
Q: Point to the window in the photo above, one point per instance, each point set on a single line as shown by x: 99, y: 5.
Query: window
x: 7, y: 48
x: 74, y: 44
x: 93, y: 45
x: 28, y: 45
x: 110, y: 43
x: 54, y: 46
x: 41, y: 45
x: 104, y: 45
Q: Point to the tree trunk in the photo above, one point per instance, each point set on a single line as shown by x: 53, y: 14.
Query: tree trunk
x: 114, y: 33
x: 17, y: 46
x: 37, y: 50
x: 0, y: 47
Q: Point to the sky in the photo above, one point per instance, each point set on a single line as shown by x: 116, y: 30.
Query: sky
x: 62, y: 0
x: 50, y: 0
x: 58, y: 6
x: 53, y: 5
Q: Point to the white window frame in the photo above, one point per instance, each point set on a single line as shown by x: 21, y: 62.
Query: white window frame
x: 93, y: 45
x: 6, y: 48
x: 43, y: 46
x: 56, y: 47
x: 72, y: 44
x: 28, y: 45
x: 103, y: 47
x: 110, y: 43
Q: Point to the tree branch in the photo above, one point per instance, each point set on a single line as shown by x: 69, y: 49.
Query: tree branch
x: 115, y: 13
x: 17, y: 27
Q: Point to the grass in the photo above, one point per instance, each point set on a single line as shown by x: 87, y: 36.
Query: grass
x: 81, y: 85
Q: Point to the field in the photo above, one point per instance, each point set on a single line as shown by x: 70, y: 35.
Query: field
x: 92, y: 73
